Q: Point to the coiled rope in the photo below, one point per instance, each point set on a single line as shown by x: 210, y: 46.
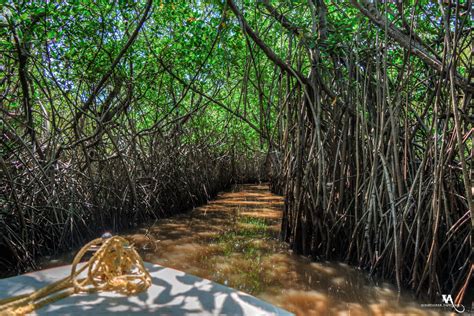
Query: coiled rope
x: 115, y: 266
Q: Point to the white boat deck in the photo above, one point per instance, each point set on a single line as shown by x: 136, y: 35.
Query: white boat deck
x: 173, y: 292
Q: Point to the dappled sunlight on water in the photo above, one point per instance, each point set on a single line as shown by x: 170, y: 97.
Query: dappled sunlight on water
x: 233, y: 240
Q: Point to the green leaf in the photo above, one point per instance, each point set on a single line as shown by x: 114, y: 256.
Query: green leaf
x: 51, y: 34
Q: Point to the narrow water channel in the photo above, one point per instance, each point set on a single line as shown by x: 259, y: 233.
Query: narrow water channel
x: 233, y: 240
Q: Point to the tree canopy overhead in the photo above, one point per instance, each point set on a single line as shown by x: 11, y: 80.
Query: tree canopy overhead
x: 115, y: 112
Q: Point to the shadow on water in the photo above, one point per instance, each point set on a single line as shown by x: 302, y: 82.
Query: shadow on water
x: 233, y: 240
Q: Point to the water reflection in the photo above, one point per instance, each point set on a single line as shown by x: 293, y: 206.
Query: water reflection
x: 233, y: 241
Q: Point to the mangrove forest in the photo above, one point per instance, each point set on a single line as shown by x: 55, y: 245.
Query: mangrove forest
x: 316, y: 154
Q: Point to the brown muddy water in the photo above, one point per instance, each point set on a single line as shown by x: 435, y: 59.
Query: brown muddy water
x: 233, y: 240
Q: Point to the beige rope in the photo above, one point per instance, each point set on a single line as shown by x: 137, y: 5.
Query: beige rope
x: 115, y: 266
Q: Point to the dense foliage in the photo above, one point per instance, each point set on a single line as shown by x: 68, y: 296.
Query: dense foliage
x: 114, y: 112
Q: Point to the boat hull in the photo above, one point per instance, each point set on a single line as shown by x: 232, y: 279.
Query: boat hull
x: 173, y: 292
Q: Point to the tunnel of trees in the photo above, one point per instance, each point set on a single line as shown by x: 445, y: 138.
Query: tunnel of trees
x: 359, y: 112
